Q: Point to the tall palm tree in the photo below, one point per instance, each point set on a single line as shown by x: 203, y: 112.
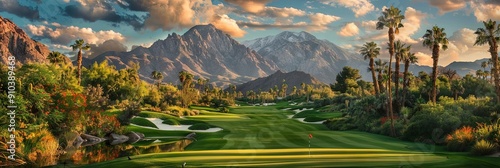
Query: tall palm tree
x: 400, y: 49
x: 380, y: 68
x: 435, y: 39
x: 391, y: 18
x: 55, y: 57
x: 158, y: 77
x: 491, y: 35
x: 408, y: 58
x: 371, y: 51
x: 80, y: 45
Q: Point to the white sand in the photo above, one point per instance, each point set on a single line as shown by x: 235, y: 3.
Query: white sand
x: 167, y: 127
x: 302, y: 120
x: 286, y: 109
x: 301, y: 110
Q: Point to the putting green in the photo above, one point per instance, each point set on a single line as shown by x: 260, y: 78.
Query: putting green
x: 265, y: 137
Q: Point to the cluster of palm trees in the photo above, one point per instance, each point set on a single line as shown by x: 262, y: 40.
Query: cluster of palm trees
x: 435, y: 39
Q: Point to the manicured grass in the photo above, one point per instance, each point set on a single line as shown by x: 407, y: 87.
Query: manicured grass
x: 264, y: 137
x: 142, y: 122
x: 315, y: 115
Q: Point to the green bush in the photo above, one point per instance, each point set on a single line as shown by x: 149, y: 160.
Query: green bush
x: 313, y: 119
x: 489, y: 132
x: 399, y: 128
x: 340, y: 124
x: 483, y: 147
x: 143, y: 122
x: 199, y: 126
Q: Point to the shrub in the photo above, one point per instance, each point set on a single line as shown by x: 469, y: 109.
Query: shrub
x: 483, y: 147
x: 460, y: 140
x: 489, y: 132
x: 223, y: 109
x: 340, y: 124
x: 143, y: 122
x: 199, y: 126
x: 399, y: 128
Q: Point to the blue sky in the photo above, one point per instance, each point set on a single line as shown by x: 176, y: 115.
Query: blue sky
x: 121, y: 25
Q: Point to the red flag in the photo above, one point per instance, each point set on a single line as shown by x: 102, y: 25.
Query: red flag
x: 310, y: 136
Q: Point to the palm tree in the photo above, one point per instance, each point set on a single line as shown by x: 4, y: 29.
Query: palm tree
x: 484, y: 64
x: 408, y: 58
x: 80, y: 45
x: 380, y: 67
x: 479, y: 73
x: 457, y: 88
x: 400, y: 49
x: 158, y: 77
x: 435, y: 39
x: 391, y: 18
x: 371, y: 51
x: 490, y: 35
x: 55, y: 57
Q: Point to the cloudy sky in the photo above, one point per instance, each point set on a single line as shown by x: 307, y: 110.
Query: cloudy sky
x: 121, y: 25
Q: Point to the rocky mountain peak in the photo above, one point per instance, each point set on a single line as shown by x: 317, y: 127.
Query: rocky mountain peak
x: 14, y: 41
x: 295, y: 37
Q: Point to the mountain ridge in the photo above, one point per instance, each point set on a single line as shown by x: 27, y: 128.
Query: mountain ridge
x: 15, y: 42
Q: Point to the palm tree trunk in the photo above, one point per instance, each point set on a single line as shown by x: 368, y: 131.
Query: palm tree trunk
x: 494, y: 70
x: 405, y: 81
x: 375, y: 82
x: 79, y: 75
x: 389, y: 90
x: 396, y: 82
x: 380, y: 83
x: 435, y: 57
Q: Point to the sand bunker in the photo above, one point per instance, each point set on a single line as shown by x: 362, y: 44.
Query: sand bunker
x: 167, y: 127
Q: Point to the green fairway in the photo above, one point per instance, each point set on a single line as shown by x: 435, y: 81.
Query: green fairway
x: 266, y: 137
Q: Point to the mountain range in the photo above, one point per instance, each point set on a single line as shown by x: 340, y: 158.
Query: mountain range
x: 208, y: 52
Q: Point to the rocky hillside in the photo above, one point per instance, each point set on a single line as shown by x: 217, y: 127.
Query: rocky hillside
x: 203, y: 51
x: 294, y: 78
x: 15, y: 42
x: 304, y: 52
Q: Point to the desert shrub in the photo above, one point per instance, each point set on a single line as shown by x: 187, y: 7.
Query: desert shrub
x: 199, y: 126
x: 40, y: 148
x: 460, y: 140
x: 142, y: 122
x: 483, y: 147
x: 489, y: 132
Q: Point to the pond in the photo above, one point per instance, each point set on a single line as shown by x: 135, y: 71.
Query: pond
x: 105, y: 151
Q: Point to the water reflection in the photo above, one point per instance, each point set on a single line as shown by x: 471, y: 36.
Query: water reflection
x: 107, y: 151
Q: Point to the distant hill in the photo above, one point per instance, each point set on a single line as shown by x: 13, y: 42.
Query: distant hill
x: 294, y: 78
x: 15, y: 42
x: 203, y: 51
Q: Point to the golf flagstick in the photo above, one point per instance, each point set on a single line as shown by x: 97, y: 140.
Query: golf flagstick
x: 310, y: 137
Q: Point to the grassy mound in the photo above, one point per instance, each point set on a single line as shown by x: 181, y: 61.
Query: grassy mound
x: 313, y: 119
x: 199, y: 126
x: 142, y: 122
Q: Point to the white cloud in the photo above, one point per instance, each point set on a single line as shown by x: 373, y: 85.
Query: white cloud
x: 485, y: 11
x: 445, y: 6
x: 252, y: 6
x: 66, y: 35
x: 320, y: 21
x: 359, y: 7
x: 228, y: 26
x: 349, y: 30
x: 412, y: 22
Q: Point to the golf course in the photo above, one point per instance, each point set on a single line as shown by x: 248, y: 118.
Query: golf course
x: 265, y: 136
